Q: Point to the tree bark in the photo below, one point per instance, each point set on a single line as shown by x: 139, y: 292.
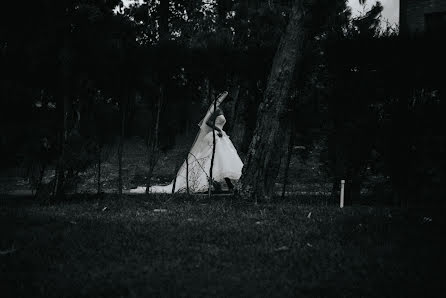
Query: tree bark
x: 264, y: 155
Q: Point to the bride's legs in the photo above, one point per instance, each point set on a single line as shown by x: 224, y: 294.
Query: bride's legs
x: 217, y: 186
x: 229, y: 183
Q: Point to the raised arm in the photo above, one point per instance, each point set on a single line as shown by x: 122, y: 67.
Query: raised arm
x: 211, y: 122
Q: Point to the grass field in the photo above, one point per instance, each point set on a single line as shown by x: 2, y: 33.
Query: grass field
x: 189, y: 247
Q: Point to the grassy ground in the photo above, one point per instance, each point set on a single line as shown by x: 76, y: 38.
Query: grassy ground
x: 139, y: 247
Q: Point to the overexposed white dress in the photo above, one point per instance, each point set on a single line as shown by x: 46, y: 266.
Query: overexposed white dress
x: 196, y: 169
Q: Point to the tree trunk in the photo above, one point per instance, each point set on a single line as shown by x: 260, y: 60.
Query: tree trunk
x: 154, y: 150
x: 39, y: 182
x: 288, y: 160
x: 234, y: 93
x: 205, y: 93
x: 174, y: 184
x: 59, y: 190
x: 264, y: 155
x: 355, y: 189
x: 121, y: 147
x: 213, y: 151
x: 187, y: 175
x: 99, y: 170
x: 238, y: 116
x: 163, y: 32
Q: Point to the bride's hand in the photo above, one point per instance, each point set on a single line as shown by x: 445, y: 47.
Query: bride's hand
x: 222, y: 96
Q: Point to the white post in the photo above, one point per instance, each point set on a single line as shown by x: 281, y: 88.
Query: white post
x: 341, y: 203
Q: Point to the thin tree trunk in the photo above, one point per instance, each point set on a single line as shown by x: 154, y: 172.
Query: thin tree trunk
x: 288, y: 160
x: 355, y: 189
x: 335, y: 188
x: 59, y: 191
x: 121, y: 147
x: 175, y: 179
x: 205, y: 93
x: 263, y: 159
x: 401, y: 148
x: 163, y: 32
x: 237, y: 116
x: 99, y: 170
x: 213, y: 151
x: 239, y: 127
x: 235, y: 91
x: 154, y: 150
x: 39, y: 183
x: 187, y: 174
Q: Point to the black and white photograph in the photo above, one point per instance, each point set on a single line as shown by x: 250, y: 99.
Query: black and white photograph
x: 223, y: 148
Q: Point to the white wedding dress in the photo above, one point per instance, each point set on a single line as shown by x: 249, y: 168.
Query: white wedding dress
x: 196, y: 170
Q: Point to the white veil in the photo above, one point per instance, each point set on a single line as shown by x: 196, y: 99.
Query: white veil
x: 192, y: 169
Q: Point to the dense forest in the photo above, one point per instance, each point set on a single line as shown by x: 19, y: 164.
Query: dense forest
x: 79, y: 75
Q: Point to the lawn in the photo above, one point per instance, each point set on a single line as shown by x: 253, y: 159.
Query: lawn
x: 163, y: 246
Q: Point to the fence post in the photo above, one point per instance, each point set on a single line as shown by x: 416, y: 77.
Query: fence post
x: 341, y: 203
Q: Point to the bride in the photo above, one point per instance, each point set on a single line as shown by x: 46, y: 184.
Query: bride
x: 195, y: 171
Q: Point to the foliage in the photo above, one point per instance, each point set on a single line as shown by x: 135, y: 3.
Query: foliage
x: 378, y: 108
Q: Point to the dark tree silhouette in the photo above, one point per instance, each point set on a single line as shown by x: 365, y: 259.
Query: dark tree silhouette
x: 264, y: 155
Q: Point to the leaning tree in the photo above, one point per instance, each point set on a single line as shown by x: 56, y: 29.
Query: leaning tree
x: 263, y: 160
